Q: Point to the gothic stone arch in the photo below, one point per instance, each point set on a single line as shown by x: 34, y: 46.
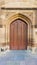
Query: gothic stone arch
x: 25, y: 19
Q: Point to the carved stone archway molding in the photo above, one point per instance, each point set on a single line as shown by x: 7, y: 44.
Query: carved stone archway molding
x: 18, y: 15
x: 24, y: 18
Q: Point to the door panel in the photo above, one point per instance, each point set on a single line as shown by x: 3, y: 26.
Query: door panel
x: 18, y: 35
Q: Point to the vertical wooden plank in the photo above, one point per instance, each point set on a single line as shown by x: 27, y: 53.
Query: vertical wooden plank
x: 12, y: 35
x: 23, y: 35
x: 19, y: 33
x: 15, y: 35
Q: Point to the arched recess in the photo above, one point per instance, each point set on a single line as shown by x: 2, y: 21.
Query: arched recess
x: 25, y: 19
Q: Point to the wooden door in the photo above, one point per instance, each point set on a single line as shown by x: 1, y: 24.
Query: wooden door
x: 18, y: 35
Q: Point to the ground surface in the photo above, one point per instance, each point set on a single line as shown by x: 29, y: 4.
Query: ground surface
x: 21, y: 57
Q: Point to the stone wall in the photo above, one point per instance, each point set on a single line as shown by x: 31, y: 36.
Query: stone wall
x: 6, y: 14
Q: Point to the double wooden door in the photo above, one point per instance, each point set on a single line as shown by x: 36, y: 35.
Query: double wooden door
x: 18, y: 35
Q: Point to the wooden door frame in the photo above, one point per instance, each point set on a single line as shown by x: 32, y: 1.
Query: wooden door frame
x: 24, y: 18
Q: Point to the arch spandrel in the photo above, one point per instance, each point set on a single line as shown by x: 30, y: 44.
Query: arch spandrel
x: 20, y: 16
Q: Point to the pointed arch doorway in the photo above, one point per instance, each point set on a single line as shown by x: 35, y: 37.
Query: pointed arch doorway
x: 18, y: 34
